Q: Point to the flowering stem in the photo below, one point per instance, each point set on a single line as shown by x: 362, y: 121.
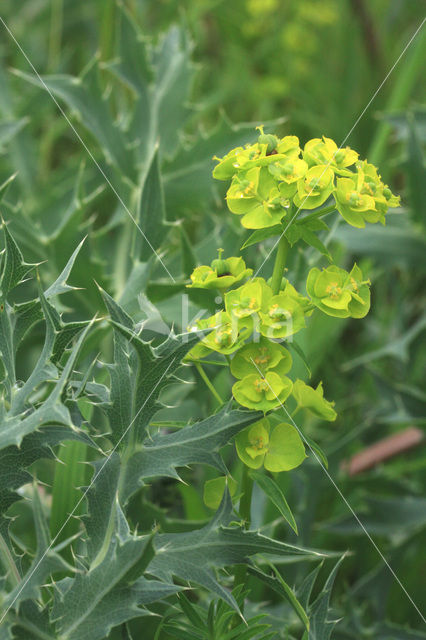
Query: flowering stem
x: 245, y: 513
x: 280, y: 258
x: 208, y: 383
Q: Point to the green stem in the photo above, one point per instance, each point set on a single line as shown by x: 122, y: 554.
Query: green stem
x: 107, y: 30
x: 280, y: 259
x: 55, y: 35
x: 240, y: 572
x: 245, y: 500
x: 215, y: 362
x: 208, y: 383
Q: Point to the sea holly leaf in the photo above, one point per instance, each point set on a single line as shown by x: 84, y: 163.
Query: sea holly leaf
x: 32, y: 623
x: 304, y: 590
x: 101, y: 499
x: 133, y: 65
x: 274, y: 493
x: 27, y: 314
x: 191, y: 556
x: 14, y: 266
x: 279, y: 585
x: 151, y: 209
x: 99, y: 598
x: 6, y: 631
x: 15, y: 461
x: 119, y: 605
x: 84, y: 97
x: 163, y: 454
x: 321, y: 627
x: 6, y: 344
x: 46, y: 561
x: 155, y: 367
x: 61, y: 285
x: 16, y: 426
x: 43, y: 369
x: 173, y: 72
x: 161, y: 78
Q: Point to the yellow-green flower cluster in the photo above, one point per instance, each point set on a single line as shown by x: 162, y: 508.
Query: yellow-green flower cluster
x: 261, y: 369
x: 252, y: 309
x: 339, y: 293
x: 273, y: 175
x: 221, y: 274
x: 278, y: 448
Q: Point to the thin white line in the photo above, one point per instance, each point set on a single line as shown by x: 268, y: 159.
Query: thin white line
x: 343, y: 497
x: 345, y: 139
x: 90, y: 154
x: 82, y: 498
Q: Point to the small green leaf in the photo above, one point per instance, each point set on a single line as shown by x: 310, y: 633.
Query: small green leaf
x: 274, y: 493
x: 262, y: 234
x: 312, y: 240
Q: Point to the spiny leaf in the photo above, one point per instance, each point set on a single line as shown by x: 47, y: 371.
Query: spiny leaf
x: 279, y: 585
x: 200, y: 443
x: 192, y: 556
x: 16, y: 426
x: 14, y: 266
x: 84, y: 97
x: 151, y: 211
x: 14, y: 462
x: 136, y: 385
x: 60, y: 285
x: 320, y: 625
x: 46, y: 561
x: 90, y: 605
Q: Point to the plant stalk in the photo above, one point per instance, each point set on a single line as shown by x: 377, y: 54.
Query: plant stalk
x: 240, y: 572
x: 208, y: 383
x: 55, y: 35
x: 246, y: 481
x: 280, y: 260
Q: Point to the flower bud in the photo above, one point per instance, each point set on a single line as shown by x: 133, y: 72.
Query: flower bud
x: 220, y: 265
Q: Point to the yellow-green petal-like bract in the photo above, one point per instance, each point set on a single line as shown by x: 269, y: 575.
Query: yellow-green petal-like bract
x: 313, y: 400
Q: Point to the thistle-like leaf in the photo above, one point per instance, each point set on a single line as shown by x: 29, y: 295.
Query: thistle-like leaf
x: 200, y: 443
x: 192, y: 556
